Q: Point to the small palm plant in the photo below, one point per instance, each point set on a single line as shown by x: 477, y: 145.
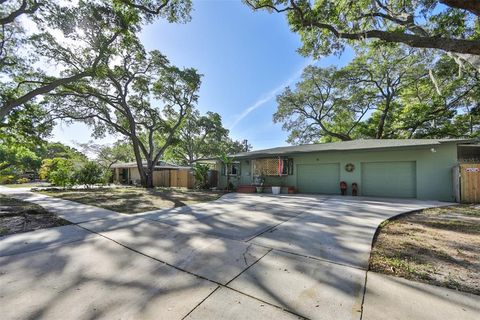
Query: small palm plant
x: 227, y: 162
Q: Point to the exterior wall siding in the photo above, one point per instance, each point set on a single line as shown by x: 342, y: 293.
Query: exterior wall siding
x: 433, y: 169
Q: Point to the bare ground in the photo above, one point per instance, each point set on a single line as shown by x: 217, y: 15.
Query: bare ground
x: 20, y: 216
x: 134, y: 200
x: 439, y: 246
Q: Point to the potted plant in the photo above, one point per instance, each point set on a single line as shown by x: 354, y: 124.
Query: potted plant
x: 276, y: 189
x: 259, y: 181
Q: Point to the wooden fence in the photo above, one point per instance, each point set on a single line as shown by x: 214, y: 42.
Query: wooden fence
x: 174, y: 178
x: 469, y: 184
x: 181, y: 179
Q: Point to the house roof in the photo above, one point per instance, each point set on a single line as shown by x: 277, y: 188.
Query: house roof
x: 363, y: 144
x: 161, y: 165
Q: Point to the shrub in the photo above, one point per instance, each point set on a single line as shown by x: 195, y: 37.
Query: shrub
x: 90, y: 174
x: 23, y: 180
x: 201, y: 176
x: 61, y: 172
x: 50, y: 165
x: 61, y: 177
x: 106, y: 177
x: 7, y: 179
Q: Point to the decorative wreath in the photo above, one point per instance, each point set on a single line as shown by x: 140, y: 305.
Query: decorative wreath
x: 349, y: 167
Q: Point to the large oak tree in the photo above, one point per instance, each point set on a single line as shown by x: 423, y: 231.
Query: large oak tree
x: 326, y: 26
x: 138, y: 95
x: 66, y: 41
x: 385, y: 92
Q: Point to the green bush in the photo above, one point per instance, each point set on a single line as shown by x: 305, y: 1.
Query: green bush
x: 61, y: 172
x: 90, y: 174
x: 23, y: 180
x: 201, y: 176
x: 50, y: 165
x: 7, y: 179
x: 106, y: 177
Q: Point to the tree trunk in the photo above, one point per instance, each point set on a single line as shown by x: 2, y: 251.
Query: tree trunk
x: 149, y: 174
x: 138, y: 159
x: 149, y: 178
x: 383, y: 118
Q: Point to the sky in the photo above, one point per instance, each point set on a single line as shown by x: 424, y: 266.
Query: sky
x: 247, y: 58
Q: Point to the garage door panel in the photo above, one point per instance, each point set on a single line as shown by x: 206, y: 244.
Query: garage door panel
x: 389, y: 179
x: 318, y: 178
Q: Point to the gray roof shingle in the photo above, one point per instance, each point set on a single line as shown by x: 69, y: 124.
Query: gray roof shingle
x: 363, y: 144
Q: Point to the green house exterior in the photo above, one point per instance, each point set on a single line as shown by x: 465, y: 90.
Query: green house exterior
x: 419, y: 169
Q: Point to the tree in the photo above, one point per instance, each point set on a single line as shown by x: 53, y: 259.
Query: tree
x: 75, y: 38
x: 108, y: 155
x: 321, y: 107
x: 359, y: 100
x: 22, y: 137
x: 443, y: 107
x: 89, y: 174
x: 201, y: 137
x: 60, y: 150
x: 326, y: 26
x: 385, y: 92
x: 58, y: 171
x: 120, y: 101
x: 383, y: 72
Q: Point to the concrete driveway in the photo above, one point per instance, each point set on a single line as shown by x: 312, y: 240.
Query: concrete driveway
x: 240, y: 257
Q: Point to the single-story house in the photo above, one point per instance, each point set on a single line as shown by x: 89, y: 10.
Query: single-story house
x: 415, y: 168
x: 165, y: 174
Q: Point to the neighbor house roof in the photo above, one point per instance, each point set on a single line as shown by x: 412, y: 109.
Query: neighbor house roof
x: 160, y: 165
x: 370, y: 144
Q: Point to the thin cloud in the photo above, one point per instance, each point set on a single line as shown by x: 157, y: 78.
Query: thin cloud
x: 270, y: 95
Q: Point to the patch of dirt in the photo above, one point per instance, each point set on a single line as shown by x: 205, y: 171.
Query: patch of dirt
x: 439, y: 246
x: 134, y: 200
x: 18, y: 216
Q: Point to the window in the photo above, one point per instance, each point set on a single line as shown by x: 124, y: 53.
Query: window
x: 233, y: 169
x: 269, y: 166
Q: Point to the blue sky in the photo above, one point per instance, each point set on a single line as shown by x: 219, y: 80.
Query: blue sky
x: 246, y: 57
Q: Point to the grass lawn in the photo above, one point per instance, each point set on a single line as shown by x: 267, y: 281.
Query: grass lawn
x: 134, y: 200
x: 20, y: 216
x: 439, y: 246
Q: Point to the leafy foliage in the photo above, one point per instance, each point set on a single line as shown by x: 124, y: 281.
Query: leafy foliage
x: 107, y: 155
x: 60, y: 172
x: 140, y: 96
x: 201, y: 137
x: 75, y: 36
x: 22, y: 140
x: 327, y: 26
x: 89, y: 174
x: 201, y: 175
x: 385, y: 92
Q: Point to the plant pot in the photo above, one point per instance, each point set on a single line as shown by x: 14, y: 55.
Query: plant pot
x: 276, y: 190
x: 259, y: 189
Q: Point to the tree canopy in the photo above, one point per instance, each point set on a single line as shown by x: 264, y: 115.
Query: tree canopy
x: 75, y: 37
x: 326, y: 26
x: 385, y: 92
x: 138, y: 95
x: 201, y: 137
